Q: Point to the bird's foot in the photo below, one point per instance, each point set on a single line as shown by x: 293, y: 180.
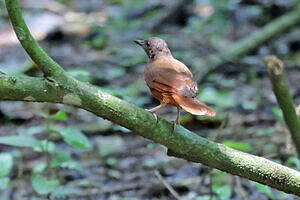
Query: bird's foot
x: 153, y: 113
x: 153, y: 110
x: 175, y: 123
x: 174, y: 126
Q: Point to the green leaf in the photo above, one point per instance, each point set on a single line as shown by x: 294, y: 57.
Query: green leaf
x: 39, y: 168
x: 59, y: 159
x: 264, y: 189
x: 293, y: 162
x: 75, y: 138
x: 4, y: 183
x: 223, y: 192
x: 44, y: 186
x: 278, y: 112
x: 64, y: 160
x: 6, y: 163
x: 238, y: 145
x: 60, y: 115
x: 19, y: 141
x: 31, y: 130
x: 72, y: 164
x: 45, y: 146
x: 112, y: 161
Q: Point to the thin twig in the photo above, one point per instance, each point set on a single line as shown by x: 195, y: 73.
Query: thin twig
x: 167, y: 185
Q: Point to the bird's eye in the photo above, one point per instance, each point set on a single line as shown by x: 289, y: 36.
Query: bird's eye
x: 147, y: 44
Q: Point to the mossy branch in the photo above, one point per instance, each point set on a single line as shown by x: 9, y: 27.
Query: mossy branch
x: 284, y: 98
x: 38, y: 55
x: 181, y: 143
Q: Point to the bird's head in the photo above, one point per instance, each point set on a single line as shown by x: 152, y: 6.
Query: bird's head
x: 155, y: 47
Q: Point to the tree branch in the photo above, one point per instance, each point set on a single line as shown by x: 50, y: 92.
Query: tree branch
x: 247, y: 44
x: 38, y: 55
x: 284, y: 98
x: 181, y: 143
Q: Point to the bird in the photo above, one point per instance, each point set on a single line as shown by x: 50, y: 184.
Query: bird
x: 170, y: 81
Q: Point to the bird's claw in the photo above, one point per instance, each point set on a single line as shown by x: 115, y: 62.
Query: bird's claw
x: 154, y: 115
x: 174, y: 126
x: 175, y: 123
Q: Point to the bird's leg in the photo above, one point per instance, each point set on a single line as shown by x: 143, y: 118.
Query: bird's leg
x: 177, y: 121
x: 153, y: 110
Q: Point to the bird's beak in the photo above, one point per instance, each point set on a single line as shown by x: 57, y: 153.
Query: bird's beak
x: 140, y: 42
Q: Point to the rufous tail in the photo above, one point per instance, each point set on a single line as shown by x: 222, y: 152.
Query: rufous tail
x: 193, y: 105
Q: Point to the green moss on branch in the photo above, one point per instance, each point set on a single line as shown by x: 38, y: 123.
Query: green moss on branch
x: 182, y: 143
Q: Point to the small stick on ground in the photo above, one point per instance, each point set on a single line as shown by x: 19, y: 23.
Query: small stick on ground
x: 167, y: 185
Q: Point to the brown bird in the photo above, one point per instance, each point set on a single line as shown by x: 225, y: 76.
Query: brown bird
x: 170, y: 81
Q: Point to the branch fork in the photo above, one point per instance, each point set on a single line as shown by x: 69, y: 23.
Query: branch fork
x: 59, y: 87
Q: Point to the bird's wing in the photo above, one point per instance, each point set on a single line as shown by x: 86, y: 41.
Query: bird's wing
x: 171, y: 76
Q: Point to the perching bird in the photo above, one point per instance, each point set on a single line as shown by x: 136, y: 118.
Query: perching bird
x: 170, y: 81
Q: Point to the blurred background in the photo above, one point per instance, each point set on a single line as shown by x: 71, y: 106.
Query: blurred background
x: 93, y: 41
